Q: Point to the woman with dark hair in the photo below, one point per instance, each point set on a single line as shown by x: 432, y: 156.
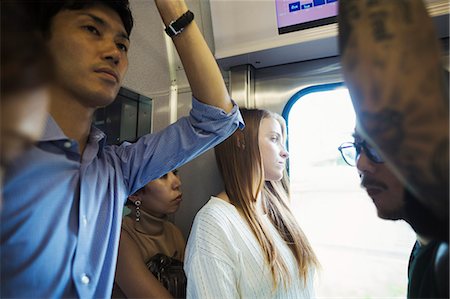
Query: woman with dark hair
x: 146, y: 232
x: 245, y: 242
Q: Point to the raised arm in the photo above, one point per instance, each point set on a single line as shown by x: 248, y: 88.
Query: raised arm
x: 392, y: 66
x: 202, y: 71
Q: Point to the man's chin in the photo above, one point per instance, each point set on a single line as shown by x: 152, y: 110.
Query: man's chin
x: 389, y: 215
x: 102, y: 100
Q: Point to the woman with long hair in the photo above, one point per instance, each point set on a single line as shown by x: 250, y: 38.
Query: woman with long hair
x: 245, y: 242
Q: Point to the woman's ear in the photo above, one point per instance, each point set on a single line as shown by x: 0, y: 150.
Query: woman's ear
x: 133, y: 197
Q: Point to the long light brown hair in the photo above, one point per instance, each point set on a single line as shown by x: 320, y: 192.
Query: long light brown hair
x: 240, y: 164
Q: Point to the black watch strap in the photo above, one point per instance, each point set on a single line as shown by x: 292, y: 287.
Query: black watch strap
x: 177, y: 26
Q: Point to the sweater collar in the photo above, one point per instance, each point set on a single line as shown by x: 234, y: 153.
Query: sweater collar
x: 148, y: 224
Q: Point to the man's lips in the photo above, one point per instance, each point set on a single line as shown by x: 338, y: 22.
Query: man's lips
x: 109, y: 72
x: 373, y: 191
x: 372, y: 186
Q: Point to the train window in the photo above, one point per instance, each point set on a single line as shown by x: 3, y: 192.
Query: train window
x: 361, y: 255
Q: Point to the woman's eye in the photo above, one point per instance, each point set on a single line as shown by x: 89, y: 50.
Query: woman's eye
x: 274, y: 138
x: 92, y: 29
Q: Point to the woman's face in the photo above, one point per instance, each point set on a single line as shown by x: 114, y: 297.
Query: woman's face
x: 162, y: 196
x: 273, y: 152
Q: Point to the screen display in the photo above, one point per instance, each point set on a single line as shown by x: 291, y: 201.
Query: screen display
x: 293, y: 15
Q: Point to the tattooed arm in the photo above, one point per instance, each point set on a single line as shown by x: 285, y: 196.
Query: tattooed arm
x: 392, y: 66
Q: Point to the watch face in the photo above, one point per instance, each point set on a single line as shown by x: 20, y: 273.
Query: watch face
x: 177, y: 26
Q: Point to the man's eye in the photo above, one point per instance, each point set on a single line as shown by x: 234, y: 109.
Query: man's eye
x: 122, y: 47
x: 92, y: 29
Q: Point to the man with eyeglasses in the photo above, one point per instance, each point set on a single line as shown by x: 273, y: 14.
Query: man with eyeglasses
x: 391, y: 62
x: 428, y: 265
x: 392, y: 66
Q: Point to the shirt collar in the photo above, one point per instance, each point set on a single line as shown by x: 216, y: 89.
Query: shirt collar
x: 97, y: 136
x: 53, y: 132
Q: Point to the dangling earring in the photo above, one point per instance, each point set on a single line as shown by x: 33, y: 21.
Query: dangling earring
x: 137, y: 203
x: 240, y: 140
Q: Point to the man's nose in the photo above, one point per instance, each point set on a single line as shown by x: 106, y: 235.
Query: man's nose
x: 112, y: 53
x: 364, y: 164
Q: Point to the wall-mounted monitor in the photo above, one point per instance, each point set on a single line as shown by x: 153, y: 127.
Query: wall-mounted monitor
x: 293, y: 15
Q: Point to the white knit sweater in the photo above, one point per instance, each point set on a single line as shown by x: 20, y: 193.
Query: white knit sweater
x: 224, y: 259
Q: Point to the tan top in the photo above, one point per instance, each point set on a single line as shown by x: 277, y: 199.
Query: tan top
x: 152, y: 235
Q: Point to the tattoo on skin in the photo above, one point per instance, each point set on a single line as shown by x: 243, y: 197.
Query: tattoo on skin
x: 348, y: 12
x: 395, y: 96
x: 405, y: 8
x: 379, y: 63
x: 380, y: 31
x: 352, y: 61
x: 404, y: 64
x: 387, y: 126
x: 371, y: 3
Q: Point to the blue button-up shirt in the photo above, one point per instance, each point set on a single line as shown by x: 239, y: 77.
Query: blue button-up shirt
x: 61, y: 217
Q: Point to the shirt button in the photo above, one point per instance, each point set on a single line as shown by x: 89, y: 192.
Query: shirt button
x: 85, y: 279
x: 85, y: 221
x: 67, y: 144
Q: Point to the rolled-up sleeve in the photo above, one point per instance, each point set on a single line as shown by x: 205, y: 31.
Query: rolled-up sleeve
x: 153, y: 155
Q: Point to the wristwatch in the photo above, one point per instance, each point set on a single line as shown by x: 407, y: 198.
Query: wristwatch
x: 177, y: 26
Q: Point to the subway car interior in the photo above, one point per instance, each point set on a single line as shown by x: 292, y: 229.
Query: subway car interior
x: 295, y: 71
x: 298, y: 75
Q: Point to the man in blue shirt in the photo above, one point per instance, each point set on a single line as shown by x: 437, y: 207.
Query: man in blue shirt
x: 63, y: 200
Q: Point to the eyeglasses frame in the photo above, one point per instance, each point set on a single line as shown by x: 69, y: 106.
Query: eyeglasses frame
x: 359, y: 146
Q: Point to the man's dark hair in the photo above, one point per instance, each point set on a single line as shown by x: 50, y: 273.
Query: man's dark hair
x: 46, y: 10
